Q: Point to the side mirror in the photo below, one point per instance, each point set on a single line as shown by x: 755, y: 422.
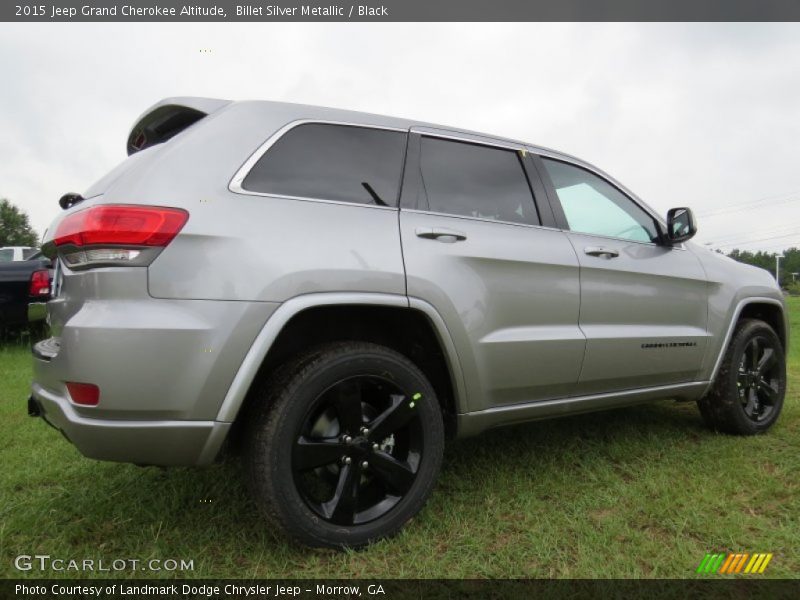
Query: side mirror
x: 680, y: 225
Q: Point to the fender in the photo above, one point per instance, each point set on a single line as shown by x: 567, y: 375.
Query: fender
x: 285, y: 312
x: 738, y: 311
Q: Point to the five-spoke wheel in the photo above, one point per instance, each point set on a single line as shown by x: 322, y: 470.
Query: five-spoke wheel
x: 345, y: 444
x: 758, y: 378
x: 747, y: 394
x: 359, y: 449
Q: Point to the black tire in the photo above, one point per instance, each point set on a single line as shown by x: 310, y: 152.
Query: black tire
x: 746, y: 397
x: 299, y: 407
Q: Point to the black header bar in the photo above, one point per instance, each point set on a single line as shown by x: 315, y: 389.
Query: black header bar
x: 398, y: 589
x: 399, y: 10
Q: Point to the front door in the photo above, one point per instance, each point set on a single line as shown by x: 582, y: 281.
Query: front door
x: 643, y: 304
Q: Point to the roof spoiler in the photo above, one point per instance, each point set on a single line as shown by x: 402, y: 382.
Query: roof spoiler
x: 168, y: 118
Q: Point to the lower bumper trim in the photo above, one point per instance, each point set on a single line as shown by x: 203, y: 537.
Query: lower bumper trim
x: 163, y: 443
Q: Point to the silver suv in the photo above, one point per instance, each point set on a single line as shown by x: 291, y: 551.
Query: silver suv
x: 341, y: 292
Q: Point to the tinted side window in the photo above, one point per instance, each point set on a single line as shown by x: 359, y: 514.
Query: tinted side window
x: 476, y: 181
x: 28, y: 252
x: 592, y: 205
x: 332, y: 162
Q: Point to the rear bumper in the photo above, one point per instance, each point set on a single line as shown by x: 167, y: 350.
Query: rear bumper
x: 165, y: 443
x: 162, y: 367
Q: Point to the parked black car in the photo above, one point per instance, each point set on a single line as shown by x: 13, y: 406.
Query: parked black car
x: 24, y: 286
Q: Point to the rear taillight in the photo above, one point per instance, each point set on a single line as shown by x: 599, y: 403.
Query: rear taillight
x: 86, y: 394
x: 116, y: 234
x: 40, y: 284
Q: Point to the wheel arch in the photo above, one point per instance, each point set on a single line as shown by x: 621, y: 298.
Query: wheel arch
x: 391, y: 320
x: 772, y: 313
x: 770, y: 310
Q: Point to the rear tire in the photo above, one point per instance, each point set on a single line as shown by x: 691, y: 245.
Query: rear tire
x: 345, y: 445
x: 747, y: 395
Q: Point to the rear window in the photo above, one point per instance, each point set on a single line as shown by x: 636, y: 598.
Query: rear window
x: 332, y: 162
x: 161, y: 125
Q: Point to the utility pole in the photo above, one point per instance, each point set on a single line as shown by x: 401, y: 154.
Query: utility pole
x: 778, y: 258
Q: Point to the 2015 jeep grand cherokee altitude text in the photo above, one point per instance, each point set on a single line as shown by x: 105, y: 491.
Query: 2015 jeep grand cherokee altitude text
x: 342, y: 291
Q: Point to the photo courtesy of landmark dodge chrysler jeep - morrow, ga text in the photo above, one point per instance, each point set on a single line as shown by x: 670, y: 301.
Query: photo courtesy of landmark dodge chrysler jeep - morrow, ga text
x: 340, y: 292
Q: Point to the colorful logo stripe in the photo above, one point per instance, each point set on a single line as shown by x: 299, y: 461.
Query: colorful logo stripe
x: 740, y: 562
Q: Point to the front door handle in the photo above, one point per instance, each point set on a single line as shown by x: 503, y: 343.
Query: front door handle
x: 600, y: 251
x: 441, y: 234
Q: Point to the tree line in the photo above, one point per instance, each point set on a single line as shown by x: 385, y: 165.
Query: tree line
x: 789, y: 264
x: 15, y: 227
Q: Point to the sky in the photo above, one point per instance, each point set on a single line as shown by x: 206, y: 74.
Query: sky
x: 699, y: 115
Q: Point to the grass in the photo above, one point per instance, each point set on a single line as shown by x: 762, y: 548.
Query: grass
x: 637, y: 492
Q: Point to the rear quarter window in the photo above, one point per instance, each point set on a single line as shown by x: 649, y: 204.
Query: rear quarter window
x: 332, y: 162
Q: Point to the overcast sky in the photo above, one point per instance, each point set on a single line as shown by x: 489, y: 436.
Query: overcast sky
x: 704, y: 115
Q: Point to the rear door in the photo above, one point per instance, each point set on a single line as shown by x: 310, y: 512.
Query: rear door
x: 643, y: 303
x: 478, y: 248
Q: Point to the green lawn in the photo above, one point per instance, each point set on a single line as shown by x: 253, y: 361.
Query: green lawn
x: 638, y: 492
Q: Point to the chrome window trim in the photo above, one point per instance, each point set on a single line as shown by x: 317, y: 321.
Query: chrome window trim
x: 470, y: 139
x: 481, y: 219
x: 566, y: 231
x: 235, y: 184
x: 310, y: 199
x: 626, y: 240
x: 241, y: 174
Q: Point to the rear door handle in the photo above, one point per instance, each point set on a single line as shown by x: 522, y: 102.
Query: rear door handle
x: 441, y: 234
x: 600, y: 251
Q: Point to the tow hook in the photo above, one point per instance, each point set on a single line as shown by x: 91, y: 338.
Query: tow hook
x: 33, y: 408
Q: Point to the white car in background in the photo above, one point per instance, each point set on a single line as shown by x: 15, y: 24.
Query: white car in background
x: 16, y: 253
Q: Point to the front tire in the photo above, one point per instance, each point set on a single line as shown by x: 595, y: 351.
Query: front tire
x: 747, y: 396
x: 345, y: 446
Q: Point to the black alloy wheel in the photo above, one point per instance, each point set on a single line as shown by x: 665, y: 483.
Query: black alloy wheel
x: 359, y: 449
x: 344, y: 444
x: 747, y: 394
x: 758, y: 380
